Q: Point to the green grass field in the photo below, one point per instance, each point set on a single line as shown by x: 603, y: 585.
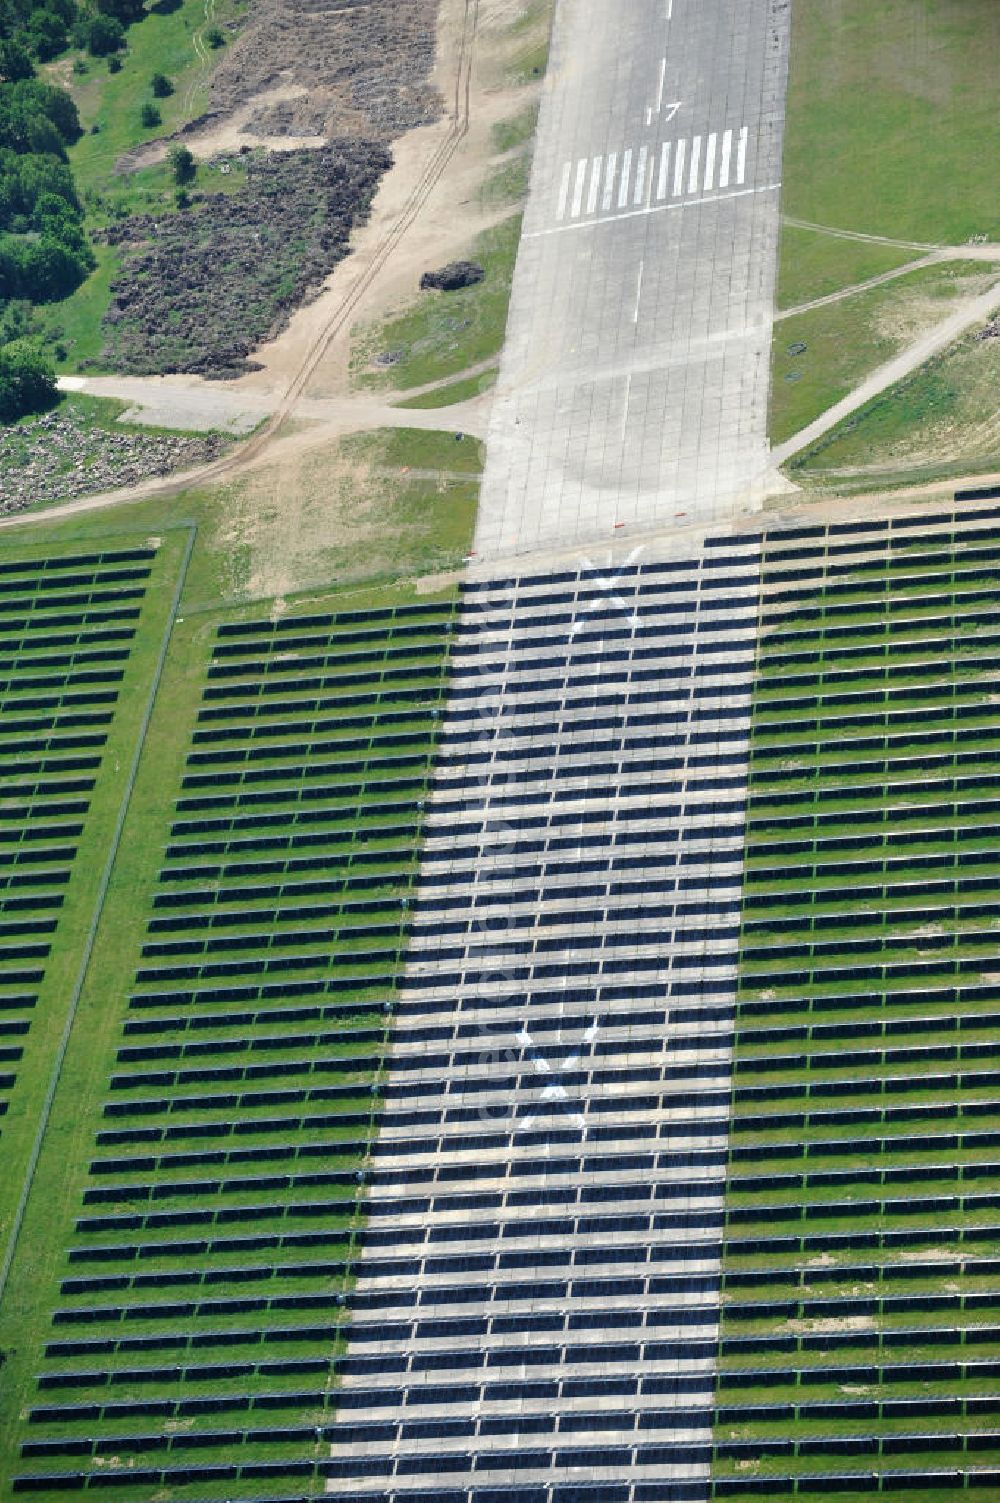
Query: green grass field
x: 124, y: 686
x: 453, y: 391
x: 847, y: 339
x: 161, y: 43
x: 914, y: 164
x: 942, y: 420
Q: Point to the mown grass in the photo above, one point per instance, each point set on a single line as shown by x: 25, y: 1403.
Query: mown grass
x: 891, y: 127
x: 79, y: 912
x: 528, y: 37
x: 419, y: 449
x: 847, y: 340
x: 516, y: 130
x: 913, y: 164
x: 941, y: 419
x: 812, y: 264
x: 454, y: 391
x: 445, y: 332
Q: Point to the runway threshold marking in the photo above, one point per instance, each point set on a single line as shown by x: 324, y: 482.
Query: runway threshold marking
x: 701, y: 164
x: 680, y: 203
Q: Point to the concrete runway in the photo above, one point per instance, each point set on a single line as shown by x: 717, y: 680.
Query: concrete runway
x: 635, y: 375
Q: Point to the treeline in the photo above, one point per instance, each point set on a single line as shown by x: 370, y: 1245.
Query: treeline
x: 44, y: 253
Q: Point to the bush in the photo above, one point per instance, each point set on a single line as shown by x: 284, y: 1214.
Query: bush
x: 183, y: 164
x: 214, y: 37
x: 161, y: 86
x: 149, y: 116
x: 104, y: 35
x: 27, y: 380
x: 114, y: 63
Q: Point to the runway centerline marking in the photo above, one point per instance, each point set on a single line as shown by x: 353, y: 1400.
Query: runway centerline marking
x: 681, y: 203
x: 638, y: 292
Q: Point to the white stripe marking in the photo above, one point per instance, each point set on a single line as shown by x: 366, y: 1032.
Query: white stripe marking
x: 609, y: 182
x: 581, y: 178
x: 741, y: 156
x: 623, y: 187
x: 564, y: 191
x: 710, y: 146
x: 727, y: 152
x: 679, y: 167
x: 693, y: 183
x: 661, y: 185
x: 684, y: 203
x: 595, y: 185
x: 663, y: 79
x: 638, y: 293
x: 628, y: 394
x: 640, y: 176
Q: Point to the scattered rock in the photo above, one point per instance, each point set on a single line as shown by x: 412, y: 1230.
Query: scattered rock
x: 61, y: 456
x: 456, y: 274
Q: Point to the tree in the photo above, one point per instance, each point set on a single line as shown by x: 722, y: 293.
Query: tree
x: 149, y: 116
x: 30, y: 96
x: 184, y: 165
x: 45, y: 34
x: 125, y: 11
x: 27, y: 380
x: 15, y: 61
x: 214, y: 37
x: 105, y: 35
x: 161, y: 86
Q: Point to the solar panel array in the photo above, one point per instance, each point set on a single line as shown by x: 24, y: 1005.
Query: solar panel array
x: 198, y: 1327
x: 68, y: 624
x: 860, y: 1348
x: 536, y: 1311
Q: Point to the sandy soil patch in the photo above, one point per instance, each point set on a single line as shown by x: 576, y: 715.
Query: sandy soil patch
x: 449, y: 218
x: 232, y: 132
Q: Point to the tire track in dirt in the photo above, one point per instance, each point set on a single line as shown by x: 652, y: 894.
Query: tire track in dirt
x: 250, y: 450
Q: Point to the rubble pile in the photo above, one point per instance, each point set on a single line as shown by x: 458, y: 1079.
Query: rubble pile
x: 60, y: 456
x: 199, y: 290
x: 453, y: 276
x: 364, y: 66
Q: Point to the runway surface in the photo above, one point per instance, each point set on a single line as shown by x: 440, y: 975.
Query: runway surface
x: 634, y: 378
